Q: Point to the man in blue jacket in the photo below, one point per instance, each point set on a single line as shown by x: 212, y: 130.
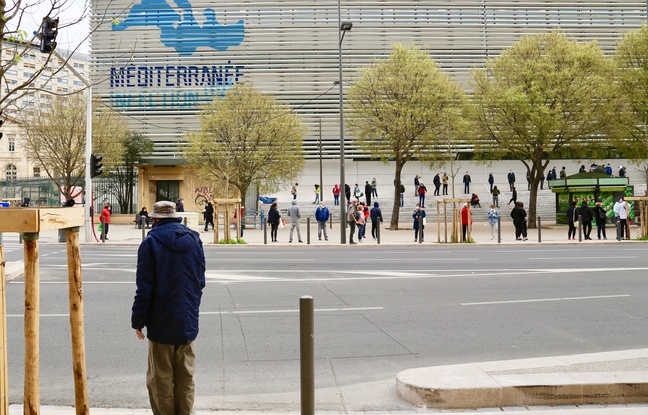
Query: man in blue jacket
x: 321, y: 216
x: 170, y: 279
x: 376, y: 215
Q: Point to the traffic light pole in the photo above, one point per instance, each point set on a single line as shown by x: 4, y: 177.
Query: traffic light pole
x: 88, y: 180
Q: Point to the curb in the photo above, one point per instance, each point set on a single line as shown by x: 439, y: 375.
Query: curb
x: 483, y: 385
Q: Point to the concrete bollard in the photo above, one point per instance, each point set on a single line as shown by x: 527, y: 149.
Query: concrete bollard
x: 499, y: 229
x: 378, y: 232
x: 307, y: 354
x: 265, y: 233
x: 103, y: 230
x: 539, y: 229
x: 580, y: 230
x: 307, y: 231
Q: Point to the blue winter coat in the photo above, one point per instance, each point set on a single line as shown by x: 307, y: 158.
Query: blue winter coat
x: 322, y: 214
x: 170, y: 279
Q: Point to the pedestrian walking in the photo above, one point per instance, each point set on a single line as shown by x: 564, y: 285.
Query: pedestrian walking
x: 105, y: 215
x: 336, y: 195
x: 208, y: 215
x: 572, y: 217
x: 422, y: 190
x: 511, y: 179
x: 376, y: 216
x: 274, y: 217
x: 294, y: 213
x: 352, y: 210
x: 624, y: 210
x: 491, y: 182
x: 317, y: 191
x: 466, y: 221
x: 495, y: 193
x: 601, y: 218
x: 417, y: 181
x: 444, y: 180
x: 360, y: 222
x: 519, y: 221
x: 493, y: 215
x: 586, y: 217
x: 401, y: 189
x: 293, y: 191
x: 321, y: 216
x: 179, y: 205
x: 419, y: 213
x: 437, y: 184
x: 466, y: 182
x: 374, y: 188
x: 170, y: 278
x: 513, y: 197
x: 368, y: 190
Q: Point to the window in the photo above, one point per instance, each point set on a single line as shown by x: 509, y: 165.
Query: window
x: 28, y: 74
x: 11, y: 174
x: 12, y: 144
x: 12, y: 72
x: 63, y: 81
x: 37, y: 172
x: 79, y: 65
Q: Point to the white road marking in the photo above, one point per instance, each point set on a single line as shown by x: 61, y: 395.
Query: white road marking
x: 584, y: 257
x: 309, y: 276
x: 317, y: 310
x: 539, y: 300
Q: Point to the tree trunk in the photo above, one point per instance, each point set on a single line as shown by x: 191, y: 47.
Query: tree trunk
x: 396, y: 209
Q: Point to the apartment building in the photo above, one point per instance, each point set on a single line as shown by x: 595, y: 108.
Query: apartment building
x: 14, y: 162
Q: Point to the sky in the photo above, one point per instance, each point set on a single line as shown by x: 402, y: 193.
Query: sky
x: 69, y: 11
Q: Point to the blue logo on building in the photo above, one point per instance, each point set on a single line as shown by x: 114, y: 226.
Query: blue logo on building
x: 180, y: 30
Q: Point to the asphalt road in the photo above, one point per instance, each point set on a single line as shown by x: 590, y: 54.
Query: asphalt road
x: 378, y: 310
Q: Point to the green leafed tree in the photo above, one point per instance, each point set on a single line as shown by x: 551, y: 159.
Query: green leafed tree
x: 632, y: 61
x: 56, y: 139
x: 247, y: 138
x: 545, y: 94
x: 399, y: 110
x: 122, y: 172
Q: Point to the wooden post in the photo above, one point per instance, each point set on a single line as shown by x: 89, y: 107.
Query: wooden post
x: 445, y: 220
x: 4, y: 362
x: 216, y: 216
x: 31, y: 399
x: 226, y: 225
x: 469, y: 223
x: 75, y: 289
x: 438, y: 221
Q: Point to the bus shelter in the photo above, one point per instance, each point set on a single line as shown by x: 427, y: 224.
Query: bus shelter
x: 590, y: 187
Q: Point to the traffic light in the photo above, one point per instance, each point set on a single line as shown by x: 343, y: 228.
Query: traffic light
x: 49, y: 30
x: 95, y: 165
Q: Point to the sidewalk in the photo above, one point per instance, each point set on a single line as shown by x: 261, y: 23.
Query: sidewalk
x: 549, y: 234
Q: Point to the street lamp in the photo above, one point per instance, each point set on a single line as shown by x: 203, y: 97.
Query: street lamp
x: 343, y: 28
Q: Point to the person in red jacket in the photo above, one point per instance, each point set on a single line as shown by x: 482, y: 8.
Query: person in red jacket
x: 105, y: 218
x: 466, y: 219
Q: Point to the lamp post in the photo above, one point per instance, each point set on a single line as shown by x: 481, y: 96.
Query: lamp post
x: 343, y: 28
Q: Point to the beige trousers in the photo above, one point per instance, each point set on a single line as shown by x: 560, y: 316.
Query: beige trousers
x: 169, y: 378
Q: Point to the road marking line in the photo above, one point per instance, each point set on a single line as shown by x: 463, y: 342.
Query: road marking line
x: 317, y: 310
x: 585, y: 257
x: 538, y: 300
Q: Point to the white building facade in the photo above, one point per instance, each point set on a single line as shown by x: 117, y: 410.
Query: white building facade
x: 158, y: 61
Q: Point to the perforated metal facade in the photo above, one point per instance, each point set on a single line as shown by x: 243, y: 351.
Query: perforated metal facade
x: 164, y: 59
